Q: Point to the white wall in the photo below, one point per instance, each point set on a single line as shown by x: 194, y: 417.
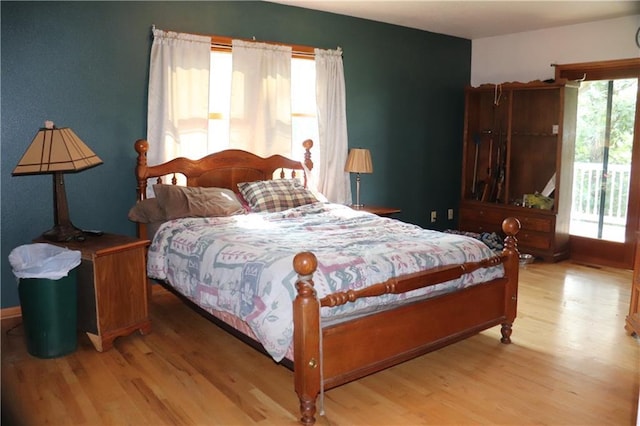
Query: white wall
x: 528, y: 55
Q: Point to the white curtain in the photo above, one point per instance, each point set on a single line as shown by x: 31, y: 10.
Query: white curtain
x: 178, y: 109
x: 260, y: 118
x: 333, y: 181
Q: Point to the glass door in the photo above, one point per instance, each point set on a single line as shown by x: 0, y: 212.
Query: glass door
x: 603, y: 158
x: 621, y: 123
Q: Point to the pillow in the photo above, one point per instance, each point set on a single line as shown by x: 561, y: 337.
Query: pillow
x: 275, y: 195
x: 183, y: 201
x: 147, y: 211
x: 245, y: 204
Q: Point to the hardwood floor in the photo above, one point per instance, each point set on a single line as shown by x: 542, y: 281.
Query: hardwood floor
x: 570, y: 363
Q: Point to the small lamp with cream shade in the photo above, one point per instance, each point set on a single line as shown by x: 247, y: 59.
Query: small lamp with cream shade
x: 358, y: 161
x: 57, y: 151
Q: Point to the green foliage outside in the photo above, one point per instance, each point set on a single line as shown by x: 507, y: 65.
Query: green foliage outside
x: 592, y: 115
x: 590, y: 148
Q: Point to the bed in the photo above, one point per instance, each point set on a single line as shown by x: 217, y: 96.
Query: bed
x: 330, y: 334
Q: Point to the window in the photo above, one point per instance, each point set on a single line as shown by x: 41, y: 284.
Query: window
x: 304, y: 122
x: 187, y: 118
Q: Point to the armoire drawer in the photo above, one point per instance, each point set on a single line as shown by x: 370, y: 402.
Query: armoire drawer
x: 481, y: 220
x: 477, y: 227
x: 537, y: 240
x: 540, y: 224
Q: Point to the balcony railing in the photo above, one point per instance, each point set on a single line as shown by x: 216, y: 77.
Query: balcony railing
x: 588, y: 184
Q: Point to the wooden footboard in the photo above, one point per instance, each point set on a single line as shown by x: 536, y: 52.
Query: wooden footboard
x: 334, y: 355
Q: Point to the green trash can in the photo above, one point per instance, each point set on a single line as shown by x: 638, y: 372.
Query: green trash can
x: 49, y: 315
x: 48, y: 297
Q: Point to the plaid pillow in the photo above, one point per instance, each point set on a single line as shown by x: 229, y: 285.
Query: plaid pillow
x: 275, y: 195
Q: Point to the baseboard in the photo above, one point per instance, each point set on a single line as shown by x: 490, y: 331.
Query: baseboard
x: 16, y: 312
x: 12, y: 312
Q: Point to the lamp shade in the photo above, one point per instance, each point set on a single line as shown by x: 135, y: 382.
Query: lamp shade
x: 359, y: 161
x: 56, y: 150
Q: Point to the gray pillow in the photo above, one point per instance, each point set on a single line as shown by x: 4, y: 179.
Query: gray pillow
x: 147, y: 211
x: 182, y: 201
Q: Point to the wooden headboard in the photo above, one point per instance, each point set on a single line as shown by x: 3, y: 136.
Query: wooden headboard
x: 224, y: 169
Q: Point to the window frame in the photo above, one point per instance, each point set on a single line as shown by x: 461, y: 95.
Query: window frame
x: 299, y: 52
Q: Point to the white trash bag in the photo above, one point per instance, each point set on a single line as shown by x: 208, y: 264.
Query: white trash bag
x: 41, y: 260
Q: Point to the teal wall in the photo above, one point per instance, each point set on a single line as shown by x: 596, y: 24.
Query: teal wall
x: 85, y: 65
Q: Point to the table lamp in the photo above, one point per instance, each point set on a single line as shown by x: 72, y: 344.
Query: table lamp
x: 358, y: 161
x: 57, y: 151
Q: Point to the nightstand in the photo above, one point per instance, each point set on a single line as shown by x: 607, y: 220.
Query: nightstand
x: 380, y: 211
x: 112, y: 287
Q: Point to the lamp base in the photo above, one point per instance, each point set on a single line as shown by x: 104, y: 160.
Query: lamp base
x: 63, y: 232
x: 357, y: 206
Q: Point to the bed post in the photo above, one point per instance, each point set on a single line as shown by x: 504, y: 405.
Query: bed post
x: 141, y: 146
x: 306, y: 337
x: 510, y: 226
x: 307, y: 145
x: 308, y: 163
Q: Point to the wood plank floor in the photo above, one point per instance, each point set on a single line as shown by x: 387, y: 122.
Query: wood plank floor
x: 570, y: 363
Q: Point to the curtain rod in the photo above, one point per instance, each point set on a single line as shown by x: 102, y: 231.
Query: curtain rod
x: 223, y: 43
x: 298, y: 51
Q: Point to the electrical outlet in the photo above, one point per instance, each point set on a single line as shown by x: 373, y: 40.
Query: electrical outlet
x: 450, y: 214
x: 433, y: 216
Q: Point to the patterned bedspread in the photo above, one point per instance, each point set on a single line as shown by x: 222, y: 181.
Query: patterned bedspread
x: 244, y: 264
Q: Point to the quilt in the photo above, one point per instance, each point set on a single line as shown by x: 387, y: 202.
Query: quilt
x: 243, y: 264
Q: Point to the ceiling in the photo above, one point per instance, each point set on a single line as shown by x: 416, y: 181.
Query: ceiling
x: 474, y: 19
